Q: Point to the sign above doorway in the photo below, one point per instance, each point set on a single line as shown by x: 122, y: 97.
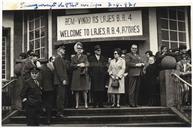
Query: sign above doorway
x: 100, y: 25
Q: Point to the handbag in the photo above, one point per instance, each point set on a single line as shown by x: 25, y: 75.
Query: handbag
x: 83, y: 71
x: 115, y: 83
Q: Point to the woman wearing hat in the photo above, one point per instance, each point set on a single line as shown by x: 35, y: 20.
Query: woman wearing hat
x: 80, y: 80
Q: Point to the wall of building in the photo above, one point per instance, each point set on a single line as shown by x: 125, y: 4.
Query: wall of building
x: 8, y: 22
x: 18, y: 33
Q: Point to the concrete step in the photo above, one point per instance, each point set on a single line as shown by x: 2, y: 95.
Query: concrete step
x: 151, y: 124
x: 113, y: 111
x: 124, y: 116
x: 106, y: 119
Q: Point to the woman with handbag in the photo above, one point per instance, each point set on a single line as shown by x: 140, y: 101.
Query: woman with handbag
x: 116, y: 82
x: 80, y: 79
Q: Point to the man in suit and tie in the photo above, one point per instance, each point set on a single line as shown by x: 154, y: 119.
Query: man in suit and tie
x: 98, y: 74
x: 134, y: 67
x: 60, y: 78
x: 31, y: 96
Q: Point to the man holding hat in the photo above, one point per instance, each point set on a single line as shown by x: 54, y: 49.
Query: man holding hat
x: 98, y: 72
x: 31, y: 96
x: 60, y: 78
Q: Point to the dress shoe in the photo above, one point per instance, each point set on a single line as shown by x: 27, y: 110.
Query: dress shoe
x: 113, y: 105
x: 132, y: 105
x: 48, y: 122
x: 101, y: 106
x: 61, y: 116
x: 86, y: 106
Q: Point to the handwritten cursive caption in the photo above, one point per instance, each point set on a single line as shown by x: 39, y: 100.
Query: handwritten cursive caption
x: 68, y: 5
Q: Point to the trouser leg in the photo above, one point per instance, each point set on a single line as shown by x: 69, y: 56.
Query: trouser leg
x: 132, y: 90
x: 60, y: 98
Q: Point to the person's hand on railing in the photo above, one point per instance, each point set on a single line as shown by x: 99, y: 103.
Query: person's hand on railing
x: 185, y: 73
x: 178, y: 78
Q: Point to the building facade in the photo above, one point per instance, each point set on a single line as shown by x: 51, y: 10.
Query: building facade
x: 40, y: 30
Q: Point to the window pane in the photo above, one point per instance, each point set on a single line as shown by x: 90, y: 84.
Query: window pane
x: 165, y: 35
x: 165, y: 44
x: 172, y: 13
x: 182, y: 36
x: 31, y: 17
x: 174, y: 45
x: 31, y: 35
x: 164, y: 12
x: 181, y: 15
x: 42, y: 52
x: 37, y: 44
x: 43, y: 21
x: 182, y: 44
x: 31, y: 25
x: 37, y: 23
x: 164, y: 24
x: 43, y: 42
x: 181, y: 26
x: 37, y: 14
x: 43, y: 32
x: 31, y: 45
x: 173, y: 25
x: 3, y: 52
x: 173, y: 36
x: 37, y: 52
x: 37, y: 33
x: 3, y: 76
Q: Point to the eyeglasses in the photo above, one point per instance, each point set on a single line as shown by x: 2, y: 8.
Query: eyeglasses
x: 35, y: 73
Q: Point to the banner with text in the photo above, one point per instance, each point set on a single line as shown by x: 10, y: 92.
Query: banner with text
x: 100, y: 25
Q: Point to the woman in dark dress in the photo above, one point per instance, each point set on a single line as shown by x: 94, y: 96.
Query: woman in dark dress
x: 150, y: 81
x: 80, y: 79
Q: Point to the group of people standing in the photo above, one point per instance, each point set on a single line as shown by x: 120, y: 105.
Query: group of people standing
x: 49, y: 81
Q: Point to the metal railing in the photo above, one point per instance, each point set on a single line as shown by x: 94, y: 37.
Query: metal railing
x: 8, y: 97
x: 183, y: 95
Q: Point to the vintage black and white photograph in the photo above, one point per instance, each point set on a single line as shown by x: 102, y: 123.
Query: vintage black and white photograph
x: 123, y: 66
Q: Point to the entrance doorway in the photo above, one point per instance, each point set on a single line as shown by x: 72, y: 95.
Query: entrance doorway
x: 109, y: 46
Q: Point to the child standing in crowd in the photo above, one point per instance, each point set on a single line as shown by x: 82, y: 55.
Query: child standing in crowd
x: 31, y: 96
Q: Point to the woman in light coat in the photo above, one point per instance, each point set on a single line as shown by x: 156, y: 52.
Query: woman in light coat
x: 116, y: 71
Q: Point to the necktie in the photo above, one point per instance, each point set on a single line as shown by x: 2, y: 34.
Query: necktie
x: 36, y: 82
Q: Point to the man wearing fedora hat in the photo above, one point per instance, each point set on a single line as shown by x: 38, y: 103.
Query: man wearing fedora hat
x: 31, y: 96
x: 98, y: 73
x: 60, y: 78
x: 31, y: 62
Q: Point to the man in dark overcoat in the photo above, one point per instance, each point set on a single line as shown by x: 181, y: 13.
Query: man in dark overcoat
x: 134, y: 66
x: 47, y: 73
x: 60, y: 78
x: 98, y: 73
x: 31, y: 96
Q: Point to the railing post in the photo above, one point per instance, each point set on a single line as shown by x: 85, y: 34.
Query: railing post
x: 167, y: 88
